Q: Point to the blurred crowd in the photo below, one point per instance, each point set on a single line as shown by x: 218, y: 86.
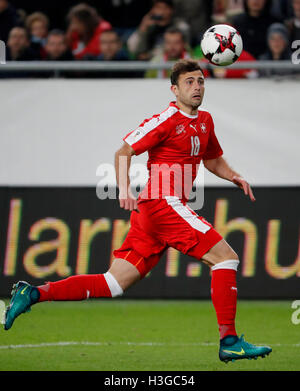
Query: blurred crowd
x: 148, y: 30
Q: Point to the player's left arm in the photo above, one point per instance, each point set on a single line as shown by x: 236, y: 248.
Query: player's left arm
x: 221, y: 168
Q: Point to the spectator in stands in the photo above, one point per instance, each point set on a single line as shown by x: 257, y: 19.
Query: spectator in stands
x: 150, y: 32
x: 278, y: 43
x: 282, y: 9
x: 228, y: 73
x: 56, y: 47
x: 293, y: 24
x: 8, y: 19
x: 278, y: 49
x: 124, y: 15
x: 84, y: 31
x: 112, y: 50
x: 225, y: 10
x: 174, y: 48
x: 18, y: 46
x: 253, y: 25
x: 111, y: 47
x: 197, y: 13
x: 37, y: 25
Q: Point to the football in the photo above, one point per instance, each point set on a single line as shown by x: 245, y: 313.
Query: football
x: 222, y: 44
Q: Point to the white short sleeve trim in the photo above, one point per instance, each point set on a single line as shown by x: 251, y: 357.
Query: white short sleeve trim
x: 141, y: 131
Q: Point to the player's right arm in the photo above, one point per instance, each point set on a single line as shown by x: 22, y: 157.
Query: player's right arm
x: 150, y: 133
x: 122, y: 166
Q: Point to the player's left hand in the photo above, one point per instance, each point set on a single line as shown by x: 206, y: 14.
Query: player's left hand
x: 244, y: 185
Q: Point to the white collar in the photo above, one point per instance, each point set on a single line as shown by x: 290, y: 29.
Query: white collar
x: 188, y: 115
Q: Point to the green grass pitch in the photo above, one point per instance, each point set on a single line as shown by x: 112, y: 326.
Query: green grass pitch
x: 126, y: 335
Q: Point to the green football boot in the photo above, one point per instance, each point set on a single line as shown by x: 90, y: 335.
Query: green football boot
x: 234, y: 348
x: 23, y: 296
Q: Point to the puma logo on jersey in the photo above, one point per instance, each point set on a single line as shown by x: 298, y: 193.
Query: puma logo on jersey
x: 194, y: 127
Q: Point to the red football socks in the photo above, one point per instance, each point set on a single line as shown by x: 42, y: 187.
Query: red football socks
x: 79, y: 287
x: 224, y: 295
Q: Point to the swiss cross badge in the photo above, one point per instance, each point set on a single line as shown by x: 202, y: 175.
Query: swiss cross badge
x: 180, y: 129
x: 203, y: 127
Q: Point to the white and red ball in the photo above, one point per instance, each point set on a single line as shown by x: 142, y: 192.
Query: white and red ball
x: 222, y: 44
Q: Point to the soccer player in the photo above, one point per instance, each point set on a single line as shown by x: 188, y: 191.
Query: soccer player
x: 177, y: 140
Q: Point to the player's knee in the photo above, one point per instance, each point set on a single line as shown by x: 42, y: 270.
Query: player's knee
x: 232, y: 255
x: 227, y: 255
x: 124, y: 273
x: 229, y: 260
x: 114, y: 286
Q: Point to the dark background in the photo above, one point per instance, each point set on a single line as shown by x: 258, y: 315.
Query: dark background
x: 72, y: 205
x: 117, y: 13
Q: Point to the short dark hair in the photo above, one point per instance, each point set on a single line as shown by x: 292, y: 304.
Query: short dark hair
x: 111, y: 31
x: 56, y: 33
x: 167, y: 2
x: 176, y: 30
x: 87, y: 15
x: 183, y: 66
x: 21, y: 28
x: 40, y: 16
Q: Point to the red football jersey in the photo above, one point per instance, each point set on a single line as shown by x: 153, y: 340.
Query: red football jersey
x: 176, y: 143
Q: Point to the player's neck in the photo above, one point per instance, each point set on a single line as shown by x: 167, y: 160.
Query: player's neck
x: 190, y: 110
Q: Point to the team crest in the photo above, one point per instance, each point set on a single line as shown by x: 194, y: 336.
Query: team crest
x: 180, y: 129
x: 203, y: 127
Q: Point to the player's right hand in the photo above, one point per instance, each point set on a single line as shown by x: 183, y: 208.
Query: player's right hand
x: 127, y: 200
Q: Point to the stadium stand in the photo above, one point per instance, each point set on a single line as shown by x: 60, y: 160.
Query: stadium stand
x: 139, y: 33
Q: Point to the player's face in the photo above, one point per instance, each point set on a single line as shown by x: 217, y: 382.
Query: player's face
x: 190, y: 89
